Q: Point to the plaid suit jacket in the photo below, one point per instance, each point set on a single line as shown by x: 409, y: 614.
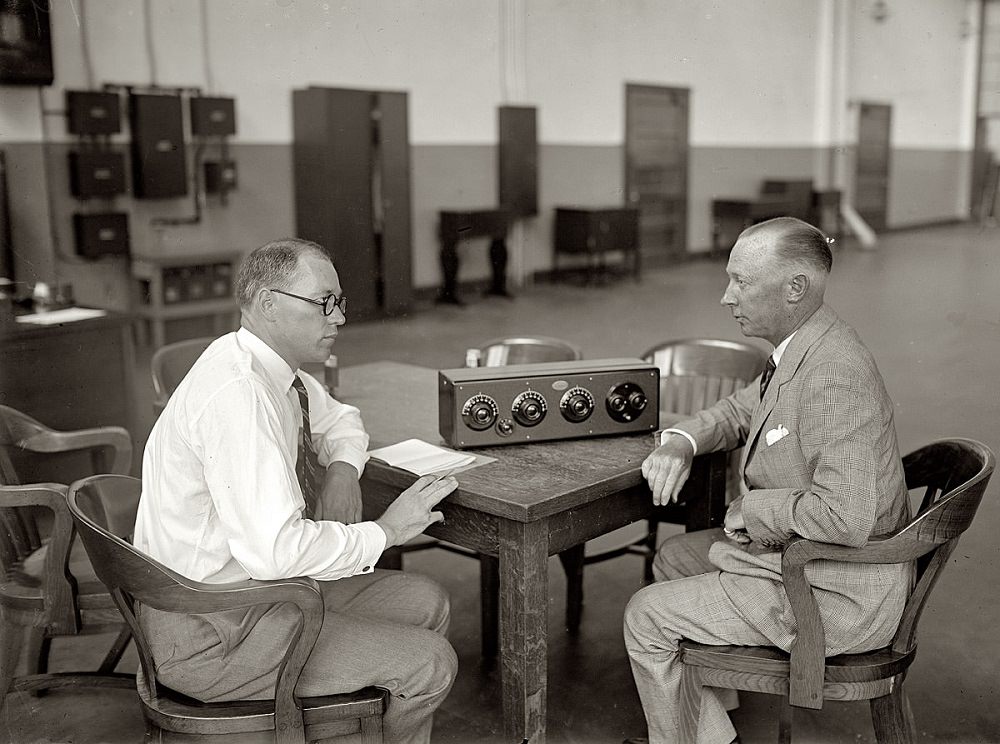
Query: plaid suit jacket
x: 820, y: 461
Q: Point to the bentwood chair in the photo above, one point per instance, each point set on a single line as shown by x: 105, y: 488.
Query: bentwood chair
x: 953, y: 474
x: 48, y: 588
x: 169, y: 365
x: 104, y: 510
x: 503, y: 352
x: 694, y: 374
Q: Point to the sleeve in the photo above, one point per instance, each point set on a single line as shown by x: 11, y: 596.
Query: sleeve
x: 337, y: 429
x: 724, y: 425
x: 840, y: 436
x: 250, y: 474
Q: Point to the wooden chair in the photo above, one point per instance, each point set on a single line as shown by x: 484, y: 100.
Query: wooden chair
x: 104, y: 510
x: 48, y: 588
x: 502, y: 352
x: 954, y: 474
x: 694, y: 374
x: 169, y: 365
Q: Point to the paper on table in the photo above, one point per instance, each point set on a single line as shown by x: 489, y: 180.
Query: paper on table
x: 421, y: 458
x: 66, y: 315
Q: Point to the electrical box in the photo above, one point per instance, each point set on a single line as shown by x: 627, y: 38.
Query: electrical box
x: 104, y: 234
x: 213, y: 117
x: 93, y: 112
x: 96, y: 174
x: 159, y: 164
x: 220, y: 176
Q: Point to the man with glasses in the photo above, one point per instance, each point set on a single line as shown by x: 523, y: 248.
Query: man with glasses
x: 252, y: 471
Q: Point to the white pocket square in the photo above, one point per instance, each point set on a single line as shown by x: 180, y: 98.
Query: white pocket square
x: 775, y: 434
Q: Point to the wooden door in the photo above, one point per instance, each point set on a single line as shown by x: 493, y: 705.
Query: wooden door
x: 871, y: 177
x: 656, y: 168
x: 391, y: 200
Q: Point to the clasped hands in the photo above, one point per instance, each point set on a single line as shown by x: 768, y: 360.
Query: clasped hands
x: 666, y: 470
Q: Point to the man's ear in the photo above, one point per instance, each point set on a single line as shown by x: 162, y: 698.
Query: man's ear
x: 798, y: 287
x: 263, y: 301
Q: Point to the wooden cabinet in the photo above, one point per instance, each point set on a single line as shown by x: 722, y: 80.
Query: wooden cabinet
x: 595, y: 232
x: 179, y: 287
x: 352, y: 191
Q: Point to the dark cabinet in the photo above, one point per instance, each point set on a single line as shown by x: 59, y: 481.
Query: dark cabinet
x: 595, y: 232
x: 352, y: 191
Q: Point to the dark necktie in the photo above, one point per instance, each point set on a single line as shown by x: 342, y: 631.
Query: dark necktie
x: 765, y: 377
x: 307, y: 468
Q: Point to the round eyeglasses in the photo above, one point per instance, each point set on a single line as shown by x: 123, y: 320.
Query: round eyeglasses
x: 327, y: 303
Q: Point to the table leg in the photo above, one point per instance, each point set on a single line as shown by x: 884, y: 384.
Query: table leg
x: 523, y: 617
x: 449, y: 272
x: 498, y: 265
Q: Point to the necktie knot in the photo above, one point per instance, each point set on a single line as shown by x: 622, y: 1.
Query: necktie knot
x: 765, y: 377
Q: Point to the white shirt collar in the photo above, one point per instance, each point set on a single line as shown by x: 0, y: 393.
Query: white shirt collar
x: 780, y: 348
x: 276, y: 367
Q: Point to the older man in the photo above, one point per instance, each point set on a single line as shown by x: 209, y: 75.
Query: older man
x: 820, y: 461
x: 251, y: 471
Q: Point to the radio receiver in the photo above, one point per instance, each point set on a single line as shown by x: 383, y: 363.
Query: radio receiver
x: 489, y: 406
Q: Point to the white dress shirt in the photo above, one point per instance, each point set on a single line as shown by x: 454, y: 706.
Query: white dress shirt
x: 220, y: 498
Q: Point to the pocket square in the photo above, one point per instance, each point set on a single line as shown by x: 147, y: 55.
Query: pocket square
x: 775, y: 434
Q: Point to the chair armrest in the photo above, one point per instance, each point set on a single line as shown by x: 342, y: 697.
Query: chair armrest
x: 115, y: 437
x: 808, y: 651
x: 59, y: 587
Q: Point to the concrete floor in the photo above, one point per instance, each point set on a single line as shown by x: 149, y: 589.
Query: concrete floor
x: 926, y: 302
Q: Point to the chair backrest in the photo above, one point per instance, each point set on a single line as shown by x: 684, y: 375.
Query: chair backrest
x: 954, y: 474
x: 501, y: 352
x: 170, y: 363
x: 697, y: 372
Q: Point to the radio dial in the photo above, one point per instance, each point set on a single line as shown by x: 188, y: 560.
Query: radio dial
x: 529, y: 408
x: 577, y: 404
x: 625, y: 402
x: 480, y: 412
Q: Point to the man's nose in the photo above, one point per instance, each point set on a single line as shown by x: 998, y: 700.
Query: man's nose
x: 727, y: 298
x: 337, y: 317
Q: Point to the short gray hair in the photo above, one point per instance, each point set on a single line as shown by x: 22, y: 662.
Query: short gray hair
x: 797, y: 241
x: 272, y: 265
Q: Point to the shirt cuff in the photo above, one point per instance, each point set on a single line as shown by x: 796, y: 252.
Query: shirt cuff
x: 374, y: 542
x: 694, y: 444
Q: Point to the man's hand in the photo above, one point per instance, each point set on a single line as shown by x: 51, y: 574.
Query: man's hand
x: 667, y: 468
x: 735, y: 527
x: 340, y: 500
x: 412, y: 511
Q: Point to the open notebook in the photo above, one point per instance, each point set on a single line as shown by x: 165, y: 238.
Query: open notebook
x: 422, y: 458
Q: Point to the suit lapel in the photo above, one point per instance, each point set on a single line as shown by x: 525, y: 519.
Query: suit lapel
x: 805, y: 338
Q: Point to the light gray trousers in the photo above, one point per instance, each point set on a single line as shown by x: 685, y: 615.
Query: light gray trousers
x: 385, y: 629
x: 687, y: 601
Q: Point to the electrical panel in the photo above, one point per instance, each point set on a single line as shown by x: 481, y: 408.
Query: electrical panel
x: 213, y: 117
x: 103, y: 234
x: 93, y: 112
x: 98, y: 173
x: 159, y: 163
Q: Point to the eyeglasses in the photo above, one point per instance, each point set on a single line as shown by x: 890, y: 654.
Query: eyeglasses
x: 327, y: 303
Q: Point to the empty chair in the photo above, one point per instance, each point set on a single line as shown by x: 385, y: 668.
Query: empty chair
x: 104, y: 510
x: 502, y: 352
x: 48, y: 588
x: 953, y: 474
x: 169, y: 365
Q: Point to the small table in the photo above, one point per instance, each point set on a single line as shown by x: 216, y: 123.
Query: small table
x: 456, y: 225
x: 534, y: 501
x: 596, y: 231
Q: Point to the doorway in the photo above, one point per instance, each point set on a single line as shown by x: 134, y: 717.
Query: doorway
x: 871, y: 173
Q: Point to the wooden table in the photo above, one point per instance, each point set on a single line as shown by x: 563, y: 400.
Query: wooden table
x: 456, y: 225
x: 534, y: 501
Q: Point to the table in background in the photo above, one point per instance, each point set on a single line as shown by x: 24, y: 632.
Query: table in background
x: 70, y: 376
x: 456, y: 225
x: 534, y: 501
x: 595, y: 232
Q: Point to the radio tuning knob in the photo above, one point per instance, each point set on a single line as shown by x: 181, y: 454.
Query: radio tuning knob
x: 479, y: 412
x: 637, y: 400
x: 529, y: 408
x: 576, y: 404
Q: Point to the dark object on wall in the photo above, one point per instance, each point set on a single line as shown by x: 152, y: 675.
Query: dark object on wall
x: 93, y: 112
x: 456, y: 225
x: 595, y: 232
x: 6, y: 240
x: 99, y: 173
x: 104, y: 234
x: 872, y: 163
x: 159, y: 164
x: 25, y: 43
x: 220, y: 177
x: 518, y: 160
x: 213, y: 117
x: 352, y: 191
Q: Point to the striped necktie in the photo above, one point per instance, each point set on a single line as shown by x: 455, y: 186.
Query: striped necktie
x: 307, y: 467
x: 765, y: 377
